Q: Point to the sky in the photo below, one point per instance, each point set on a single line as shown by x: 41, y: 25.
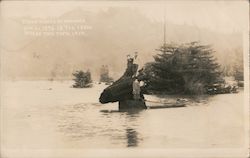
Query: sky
x: 221, y: 16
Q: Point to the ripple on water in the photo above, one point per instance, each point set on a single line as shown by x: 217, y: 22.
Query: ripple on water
x: 83, y: 122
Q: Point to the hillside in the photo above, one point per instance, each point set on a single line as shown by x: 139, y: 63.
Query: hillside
x: 115, y: 33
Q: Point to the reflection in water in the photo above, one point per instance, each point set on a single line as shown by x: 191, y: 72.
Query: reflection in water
x: 132, y: 135
x: 132, y: 138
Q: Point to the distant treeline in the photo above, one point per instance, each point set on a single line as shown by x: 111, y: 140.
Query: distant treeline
x: 178, y: 68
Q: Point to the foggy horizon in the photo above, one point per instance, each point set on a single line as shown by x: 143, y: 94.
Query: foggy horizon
x: 115, y: 31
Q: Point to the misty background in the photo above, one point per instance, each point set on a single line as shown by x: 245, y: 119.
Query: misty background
x: 118, y: 29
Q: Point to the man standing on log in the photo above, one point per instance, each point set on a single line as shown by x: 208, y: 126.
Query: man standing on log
x: 136, y: 62
x: 136, y: 89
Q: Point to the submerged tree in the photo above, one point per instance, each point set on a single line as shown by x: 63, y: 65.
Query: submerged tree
x: 238, y: 67
x: 239, y: 75
x: 82, y: 79
x: 186, y: 68
x: 104, y: 75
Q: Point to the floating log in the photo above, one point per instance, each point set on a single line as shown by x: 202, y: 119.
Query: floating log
x: 177, y: 105
x: 148, y: 108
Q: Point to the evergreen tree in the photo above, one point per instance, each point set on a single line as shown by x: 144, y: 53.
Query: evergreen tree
x: 82, y: 79
x: 186, y: 68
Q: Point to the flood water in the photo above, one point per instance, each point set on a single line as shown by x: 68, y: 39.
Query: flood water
x: 43, y: 114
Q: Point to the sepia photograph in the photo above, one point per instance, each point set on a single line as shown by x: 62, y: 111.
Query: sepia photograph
x: 124, y: 79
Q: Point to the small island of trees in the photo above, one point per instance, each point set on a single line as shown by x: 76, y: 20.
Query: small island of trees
x: 104, y: 75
